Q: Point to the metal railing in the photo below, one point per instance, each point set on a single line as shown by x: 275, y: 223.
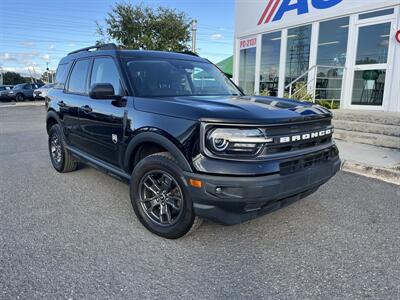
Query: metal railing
x: 310, y: 82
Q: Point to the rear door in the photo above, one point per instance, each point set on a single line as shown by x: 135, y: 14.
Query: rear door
x: 74, y: 96
x: 102, y: 120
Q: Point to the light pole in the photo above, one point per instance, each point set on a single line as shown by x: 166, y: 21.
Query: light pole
x: 47, y: 71
x: 194, y: 29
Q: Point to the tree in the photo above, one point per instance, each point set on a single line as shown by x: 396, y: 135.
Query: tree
x: 142, y: 27
x: 12, y: 78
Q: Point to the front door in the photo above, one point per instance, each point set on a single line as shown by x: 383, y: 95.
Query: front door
x: 371, y: 64
x: 102, y: 120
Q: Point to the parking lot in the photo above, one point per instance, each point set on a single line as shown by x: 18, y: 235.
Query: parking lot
x: 75, y: 236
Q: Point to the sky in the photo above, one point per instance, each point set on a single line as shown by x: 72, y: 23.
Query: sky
x: 34, y: 33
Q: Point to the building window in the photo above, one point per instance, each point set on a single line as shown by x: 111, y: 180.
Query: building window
x: 332, y: 48
x: 269, y: 71
x: 368, y: 87
x: 332, y: 42
x: 375, y: 14
x: 373, y: 44
x: 298, y: 53
x: 247, y: 69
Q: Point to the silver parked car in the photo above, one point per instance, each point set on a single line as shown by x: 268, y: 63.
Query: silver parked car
x: 41, y: 93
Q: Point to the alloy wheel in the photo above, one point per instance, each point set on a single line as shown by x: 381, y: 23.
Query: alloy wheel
x: 55, y: 149
x: 161, y: 197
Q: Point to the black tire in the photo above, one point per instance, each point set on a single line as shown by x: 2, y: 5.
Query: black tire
x: 185, y: 221
x: 19, y: 97
x: 63, y: 162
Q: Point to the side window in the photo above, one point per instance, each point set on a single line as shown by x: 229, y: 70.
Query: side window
x: 105, y: 71
x: 61, y: 76
x: 77, y: 80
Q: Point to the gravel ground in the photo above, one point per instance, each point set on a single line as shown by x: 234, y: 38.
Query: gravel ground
x: 70, y: 236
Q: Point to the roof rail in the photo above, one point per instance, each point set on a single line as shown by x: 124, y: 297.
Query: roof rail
x: 110, y: 46
x: 188, y: 53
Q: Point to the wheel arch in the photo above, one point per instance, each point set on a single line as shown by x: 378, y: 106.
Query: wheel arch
x: 18, y: 94
x: 51, y: 119
x: 155, y: 138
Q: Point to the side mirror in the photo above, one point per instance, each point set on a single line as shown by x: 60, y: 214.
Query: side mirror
x: 103, y: 91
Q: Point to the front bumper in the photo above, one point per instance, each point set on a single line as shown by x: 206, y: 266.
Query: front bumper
x: 38, y: 95
x: 234, y: 199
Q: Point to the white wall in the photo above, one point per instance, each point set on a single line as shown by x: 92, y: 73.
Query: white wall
x: 248, y: 13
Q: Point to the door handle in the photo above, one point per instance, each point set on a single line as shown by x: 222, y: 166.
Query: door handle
x: 86, y: 108
x: 61, y: 103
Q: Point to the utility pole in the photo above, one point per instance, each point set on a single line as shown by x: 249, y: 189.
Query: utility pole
x: 47, y: 72
x: 194, y: 29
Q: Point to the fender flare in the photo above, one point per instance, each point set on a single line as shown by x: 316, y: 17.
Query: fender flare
x: 52, y: 115
x: 158, y: 139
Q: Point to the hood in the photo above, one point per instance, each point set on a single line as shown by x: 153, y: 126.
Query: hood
x: 235, y: 109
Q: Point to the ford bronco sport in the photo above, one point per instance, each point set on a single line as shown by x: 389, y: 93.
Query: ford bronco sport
x: 190, y: 144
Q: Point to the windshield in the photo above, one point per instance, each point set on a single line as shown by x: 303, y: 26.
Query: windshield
x: 173, y: 77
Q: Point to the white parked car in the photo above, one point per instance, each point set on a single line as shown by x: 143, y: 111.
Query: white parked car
x: 41, y: 93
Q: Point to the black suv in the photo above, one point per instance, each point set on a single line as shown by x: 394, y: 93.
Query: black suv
x: 190, y: 144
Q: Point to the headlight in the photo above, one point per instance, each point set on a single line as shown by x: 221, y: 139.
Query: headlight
x: 235, y: 141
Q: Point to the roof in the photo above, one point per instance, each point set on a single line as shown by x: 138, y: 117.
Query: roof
x: 226, y: 65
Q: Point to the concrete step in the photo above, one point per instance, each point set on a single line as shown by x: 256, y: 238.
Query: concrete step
x: 368, y: 138
x: 390, y: 130
x: 367, y: 116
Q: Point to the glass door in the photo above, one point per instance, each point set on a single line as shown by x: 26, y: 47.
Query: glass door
x: 370, y: 78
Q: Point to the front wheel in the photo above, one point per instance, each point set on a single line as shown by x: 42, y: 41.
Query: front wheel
x: 19, y: 97
x: 160, y: 197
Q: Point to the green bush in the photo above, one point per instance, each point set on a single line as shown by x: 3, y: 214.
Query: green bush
x: 265, y: 92
x: 330, y: 104
x: 300, y: 92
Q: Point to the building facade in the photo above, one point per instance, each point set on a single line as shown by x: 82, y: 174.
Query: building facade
x: 342, y: 51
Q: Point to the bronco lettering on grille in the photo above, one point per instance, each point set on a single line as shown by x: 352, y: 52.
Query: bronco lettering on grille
x: 305, y: 136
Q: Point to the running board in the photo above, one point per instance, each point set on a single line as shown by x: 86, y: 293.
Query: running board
x: 99, y: 165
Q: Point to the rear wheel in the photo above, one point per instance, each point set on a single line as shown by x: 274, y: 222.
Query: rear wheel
x: 61, y: 159
x: 160, y: 198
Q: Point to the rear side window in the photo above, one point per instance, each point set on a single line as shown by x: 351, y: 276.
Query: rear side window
x: 61, y: 76
x: 78, y: 78
x: 105, y: 71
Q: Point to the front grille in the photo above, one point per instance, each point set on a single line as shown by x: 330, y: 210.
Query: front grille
x: 294, y: 132
x: 297, y: 164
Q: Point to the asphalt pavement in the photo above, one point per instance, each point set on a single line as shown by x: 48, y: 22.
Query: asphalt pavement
x: 75, y: 236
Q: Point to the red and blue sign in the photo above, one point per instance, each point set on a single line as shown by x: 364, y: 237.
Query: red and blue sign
x: 276, y: 9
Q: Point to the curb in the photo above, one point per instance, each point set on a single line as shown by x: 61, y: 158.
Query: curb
x: 23, y: 104
x: 384, y: 174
